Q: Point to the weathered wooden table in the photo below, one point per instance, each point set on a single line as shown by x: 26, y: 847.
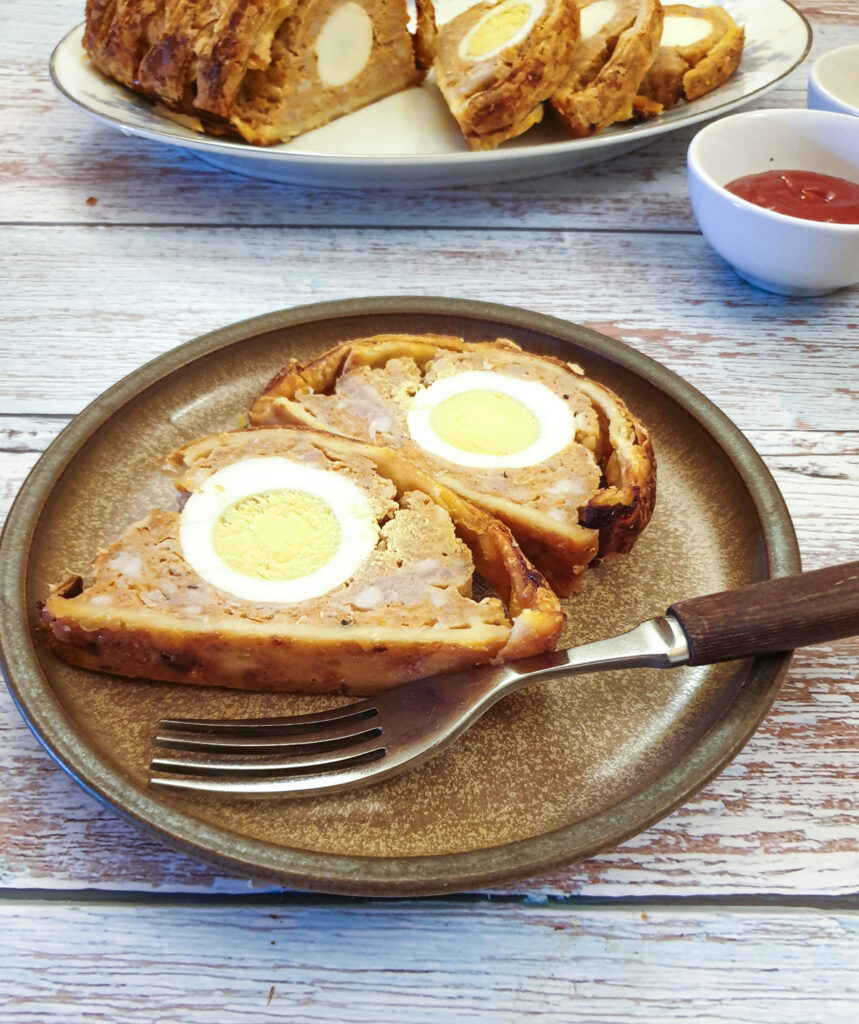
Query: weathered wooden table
x: 741, y: 906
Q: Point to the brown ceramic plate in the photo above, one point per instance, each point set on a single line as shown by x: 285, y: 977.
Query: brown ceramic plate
x: 551, y: 774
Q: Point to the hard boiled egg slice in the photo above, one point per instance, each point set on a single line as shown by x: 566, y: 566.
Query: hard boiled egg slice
x: 344, y: 45
x: 685, y: 30
x: 272, y: 530
x: 504, y: 25
x: 488, y: 420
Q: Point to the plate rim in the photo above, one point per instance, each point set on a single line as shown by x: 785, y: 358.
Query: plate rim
x: 643, y: 132
x: 428, y: 874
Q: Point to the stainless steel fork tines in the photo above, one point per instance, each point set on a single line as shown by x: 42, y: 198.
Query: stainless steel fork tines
x: 380, y: 737
x: 253, y: 755
x: 374, y: 739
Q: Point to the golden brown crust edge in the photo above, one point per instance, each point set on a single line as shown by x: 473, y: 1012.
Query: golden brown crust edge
x: 201, y: 60
x: 693, y: 70
x: 610, y: 95
x: 718, y: 66
x: 610, y: 523
x: 239, y: 653
x: 154, y: 649
x: 500, y: 97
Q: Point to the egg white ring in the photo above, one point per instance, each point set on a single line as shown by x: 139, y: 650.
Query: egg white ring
x: 678, y: 31
x: 350, y: 505
x: 596, y: 16
x: 537, y: 9
x: 555, y: 418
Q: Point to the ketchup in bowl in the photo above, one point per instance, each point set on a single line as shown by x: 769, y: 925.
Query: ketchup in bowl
x: 804, y: 194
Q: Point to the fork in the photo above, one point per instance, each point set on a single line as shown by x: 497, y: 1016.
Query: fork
x: 380, y: 737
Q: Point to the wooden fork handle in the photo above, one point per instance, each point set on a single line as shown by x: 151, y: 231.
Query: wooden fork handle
x: 776, y: 615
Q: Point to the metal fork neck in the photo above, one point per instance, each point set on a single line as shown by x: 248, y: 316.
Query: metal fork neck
x: 656, y: 643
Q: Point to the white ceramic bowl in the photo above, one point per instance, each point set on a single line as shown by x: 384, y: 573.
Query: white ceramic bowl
x: 833, y: 83
x: 781, y: 254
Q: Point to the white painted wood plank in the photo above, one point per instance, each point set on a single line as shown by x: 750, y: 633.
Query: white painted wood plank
x: 29, y: 433
x: 136, y: 181
x: 410, y: 963
x: 120, y: 296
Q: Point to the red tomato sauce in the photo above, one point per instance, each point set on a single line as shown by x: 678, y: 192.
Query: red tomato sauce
x: 804, y: 194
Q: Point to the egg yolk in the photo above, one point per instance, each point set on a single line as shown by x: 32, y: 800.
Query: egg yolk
x: 277, y: 535
x: 485, y: 422
x: 497, y: 28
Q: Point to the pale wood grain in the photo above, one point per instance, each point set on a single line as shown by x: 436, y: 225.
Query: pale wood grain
x: 120, y: 296
x: 30, y: 433
x: 386, y: 964
x: 174, y: 248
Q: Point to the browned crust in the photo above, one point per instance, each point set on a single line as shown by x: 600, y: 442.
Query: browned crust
x: 720, y: 23
x: 119, y: 32
x: 425, y: 37
x: 487, y: 139
x: 645, y: 109
x: 500, y: 97
x: 620, y: 512
x: 718, y: 66
x: 168, y: 69
x: 591, y: 53
x: 154, y: 648
x: 608, y: 525
x: 610, y: 95
x: 241, y: 42
x: 247, y: 654
x: 225, y: 63
x: 694, y: 70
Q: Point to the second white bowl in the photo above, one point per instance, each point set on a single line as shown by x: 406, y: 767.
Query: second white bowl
x: 833, y: 82
x: 781, y: 254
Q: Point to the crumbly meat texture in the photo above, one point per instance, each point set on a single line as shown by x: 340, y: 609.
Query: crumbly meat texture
x: 663, y: 82
x: 372, y: 403
x: 407, y: 612
x: 197, y: 461
x: 500, y: 96
x: 399, y: 585
x: 246, y: 67
x: 588, y: 502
